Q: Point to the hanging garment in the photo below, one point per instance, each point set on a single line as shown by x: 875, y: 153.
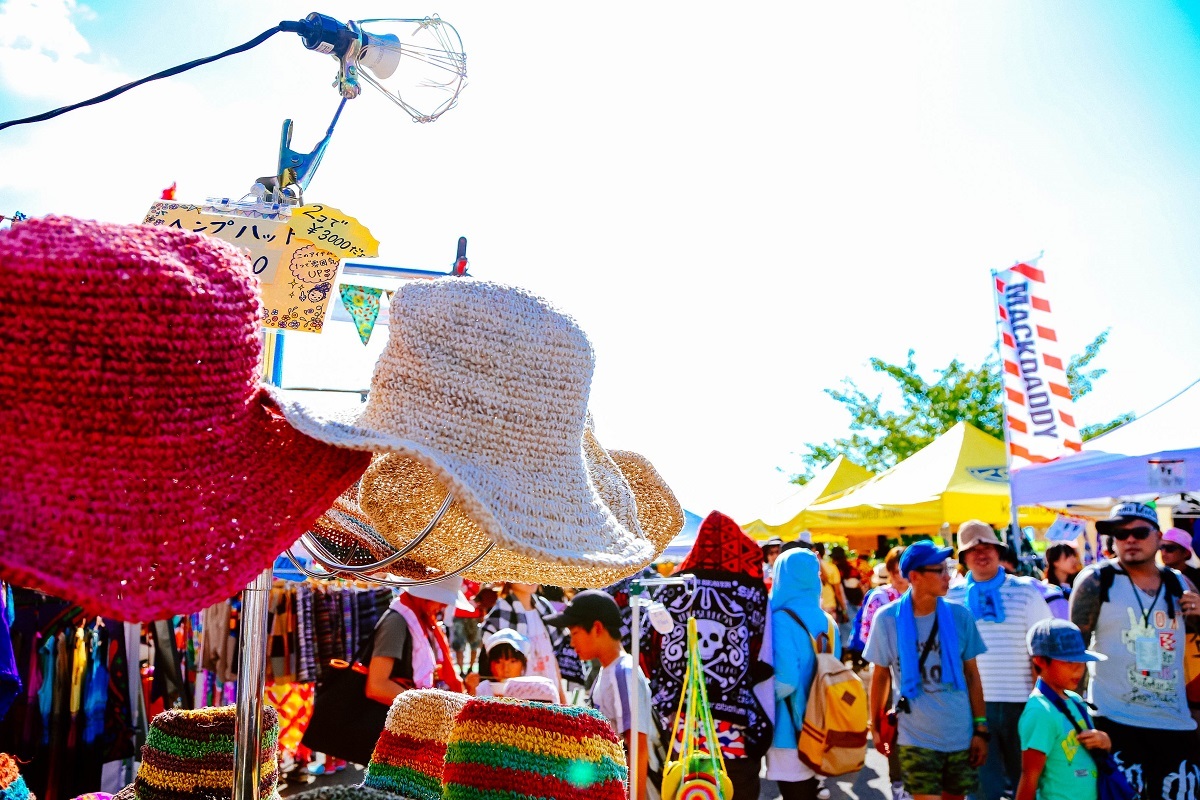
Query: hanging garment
x: 306, y: 634
x: 10, y: 679
x: 729, y: 604
x: 95, y: 694
x: 118, y: 736
x: 48, y: 652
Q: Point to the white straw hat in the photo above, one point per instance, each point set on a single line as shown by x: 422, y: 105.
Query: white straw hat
x: 482, y: 392
x: 444, y: 591
x: 400, y: 496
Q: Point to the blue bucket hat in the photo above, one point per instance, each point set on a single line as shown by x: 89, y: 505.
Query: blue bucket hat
x: 922, y: 554
x: 1061, y: 640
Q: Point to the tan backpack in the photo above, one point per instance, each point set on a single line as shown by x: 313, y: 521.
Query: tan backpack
x: 833, y: 739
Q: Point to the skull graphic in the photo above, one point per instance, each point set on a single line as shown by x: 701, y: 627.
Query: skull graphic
x: 711, y: 637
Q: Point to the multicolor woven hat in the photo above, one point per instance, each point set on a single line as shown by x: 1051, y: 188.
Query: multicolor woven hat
x: 411, y: 751
x: 143, y: 470
x: 522, y: 749
x: 12, y: 785
x: 409, y: 756
x: 481, y: 392
x: 189, y: 756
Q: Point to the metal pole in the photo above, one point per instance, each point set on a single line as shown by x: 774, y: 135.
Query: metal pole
x: 252, y: 640
x: 1012, y: 506
x: 635, y: 590
x: 636, y: 587
x: 252, y: 680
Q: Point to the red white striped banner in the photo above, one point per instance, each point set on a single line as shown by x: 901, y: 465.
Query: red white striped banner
x: 1037, y: 401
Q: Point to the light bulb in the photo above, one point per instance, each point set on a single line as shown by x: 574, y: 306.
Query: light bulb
x: 417, y: 63
x: 380, y: 54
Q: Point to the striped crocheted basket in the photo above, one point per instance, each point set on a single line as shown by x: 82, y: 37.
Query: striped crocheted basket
x: 411, y: 751
x: 514, y: 749
x: 12, y: 785
x: 189, y: 756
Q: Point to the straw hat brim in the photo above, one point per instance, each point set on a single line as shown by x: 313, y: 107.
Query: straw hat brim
x: 558, y: 519
x: 173, y: 530
x: 401, y: 496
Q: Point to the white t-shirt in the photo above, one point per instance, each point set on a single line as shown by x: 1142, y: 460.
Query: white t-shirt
x: 542, y: 660
x: 1004, y: 669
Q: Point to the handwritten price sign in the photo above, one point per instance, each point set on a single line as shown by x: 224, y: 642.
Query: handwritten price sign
x: 295, y: 277
x: 332, y: 230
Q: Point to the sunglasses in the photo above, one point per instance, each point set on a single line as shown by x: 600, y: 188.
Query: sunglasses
x: 945, y: 569
x: 1137, y: 533
x: 1172, y: 549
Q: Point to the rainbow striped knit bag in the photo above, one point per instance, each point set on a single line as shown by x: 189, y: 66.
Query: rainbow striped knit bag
x: 700, y: 773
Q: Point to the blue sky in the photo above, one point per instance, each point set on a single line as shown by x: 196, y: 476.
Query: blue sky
x: 740, y: 209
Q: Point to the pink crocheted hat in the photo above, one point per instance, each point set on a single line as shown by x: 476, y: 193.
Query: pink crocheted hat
x: 143, y: 470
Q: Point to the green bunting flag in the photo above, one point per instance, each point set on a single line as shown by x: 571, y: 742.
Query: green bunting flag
x: 362, y: 302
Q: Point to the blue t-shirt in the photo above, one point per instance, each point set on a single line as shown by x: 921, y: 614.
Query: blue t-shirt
x: 941, y: 715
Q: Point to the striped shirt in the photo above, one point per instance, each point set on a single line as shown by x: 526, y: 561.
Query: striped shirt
x: 1004, y: 669
x: 610, y: 696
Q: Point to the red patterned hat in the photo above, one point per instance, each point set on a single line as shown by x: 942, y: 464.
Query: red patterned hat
x: 722, y: 545
x: 143, y: 470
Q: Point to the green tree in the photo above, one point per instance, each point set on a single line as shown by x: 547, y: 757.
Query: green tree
x: 882, y: 437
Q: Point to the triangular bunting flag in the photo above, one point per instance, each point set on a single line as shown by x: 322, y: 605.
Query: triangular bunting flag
x: 362, y: 303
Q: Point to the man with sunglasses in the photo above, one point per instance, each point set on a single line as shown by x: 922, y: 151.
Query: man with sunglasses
x: 1135, y: 612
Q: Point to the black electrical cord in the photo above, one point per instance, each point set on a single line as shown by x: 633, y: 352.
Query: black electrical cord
x: 293, y: 27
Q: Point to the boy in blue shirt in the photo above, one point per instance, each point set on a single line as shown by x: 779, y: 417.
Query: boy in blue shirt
x: 1055, y: 762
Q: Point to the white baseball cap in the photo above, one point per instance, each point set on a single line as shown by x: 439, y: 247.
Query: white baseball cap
x: 508, y: 636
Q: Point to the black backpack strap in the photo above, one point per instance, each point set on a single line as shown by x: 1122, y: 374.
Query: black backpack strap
x: 1061, y: 705
x: 1108, y: 574
x: 1170, y: 579
x: 933, y: 632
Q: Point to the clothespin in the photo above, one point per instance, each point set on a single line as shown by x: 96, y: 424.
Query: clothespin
x: 460, y: 261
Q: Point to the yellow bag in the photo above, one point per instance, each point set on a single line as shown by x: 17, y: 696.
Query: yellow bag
x: 833, y: 738
x: 698, y: 774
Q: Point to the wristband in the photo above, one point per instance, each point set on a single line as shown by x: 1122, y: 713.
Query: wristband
x: 980, y: 720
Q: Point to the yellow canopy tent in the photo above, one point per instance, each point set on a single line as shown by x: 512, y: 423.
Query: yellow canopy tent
x: 961, y: 475
x: 786, y: 518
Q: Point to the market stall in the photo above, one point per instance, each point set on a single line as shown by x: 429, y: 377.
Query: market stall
x: 959, y: 476
x: 1155, y: 454
x: 786, y: 519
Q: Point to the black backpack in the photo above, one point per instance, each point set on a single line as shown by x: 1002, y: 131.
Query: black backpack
x: 1109, y: 572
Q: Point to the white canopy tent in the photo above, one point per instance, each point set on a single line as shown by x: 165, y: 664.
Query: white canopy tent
x: 1134, y: 459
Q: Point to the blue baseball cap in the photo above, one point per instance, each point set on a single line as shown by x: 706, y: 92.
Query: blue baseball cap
x: 922, y: 554
x: 1061, y: 640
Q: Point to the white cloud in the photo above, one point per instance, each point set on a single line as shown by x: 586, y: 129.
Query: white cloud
x: 43, y: 55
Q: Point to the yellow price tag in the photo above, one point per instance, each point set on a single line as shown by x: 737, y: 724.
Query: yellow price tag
x: 330, y: 229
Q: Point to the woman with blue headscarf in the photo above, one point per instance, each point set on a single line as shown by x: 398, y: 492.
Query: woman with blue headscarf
x: 796, y: 618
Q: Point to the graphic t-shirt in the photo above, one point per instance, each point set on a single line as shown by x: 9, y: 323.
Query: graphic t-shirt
x: 1142, y: 683
x: 941, y: 715
x: 1070, y: 772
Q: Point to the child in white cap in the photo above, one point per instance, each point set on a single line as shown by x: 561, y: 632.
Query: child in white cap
x: 508, y: 655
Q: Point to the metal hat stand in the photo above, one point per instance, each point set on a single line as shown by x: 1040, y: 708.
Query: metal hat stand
x: 253, y: 641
